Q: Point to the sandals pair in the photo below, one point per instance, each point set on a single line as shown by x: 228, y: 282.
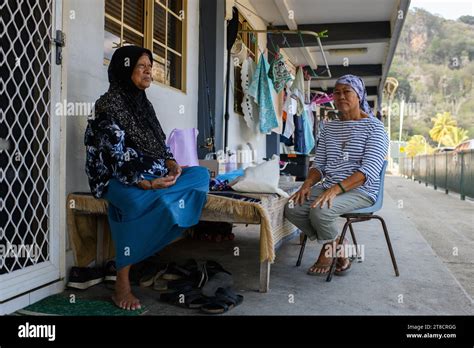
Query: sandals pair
x: 327, y: 265
x: 224, y: 300
x: 341, y: 272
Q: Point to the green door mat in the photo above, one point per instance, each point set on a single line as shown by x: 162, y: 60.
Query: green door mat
x: 61, y: 305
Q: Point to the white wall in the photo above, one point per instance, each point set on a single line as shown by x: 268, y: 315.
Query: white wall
x: 87, y: 80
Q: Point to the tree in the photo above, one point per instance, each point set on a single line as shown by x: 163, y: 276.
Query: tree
x: 467, y: 19
x: 418, y: 145
x: 443, y: 125
x: 455, y: 137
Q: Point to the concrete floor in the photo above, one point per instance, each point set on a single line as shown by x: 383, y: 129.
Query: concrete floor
x: 423, y: 233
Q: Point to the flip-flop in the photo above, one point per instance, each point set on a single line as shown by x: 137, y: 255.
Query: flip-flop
x: 160, y: 284
x: 320, y: 266
x: 218, y: 280
x: 344, y: 270
x: 186, y: 297
x: 175, y: 272
x: 225, y: 300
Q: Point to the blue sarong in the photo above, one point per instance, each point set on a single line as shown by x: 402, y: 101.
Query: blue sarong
x: 143, y: 222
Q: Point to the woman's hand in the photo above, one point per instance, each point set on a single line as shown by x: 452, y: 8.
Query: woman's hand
x: 145, y: 185
x: 326, y: 196
x: 174, y: 169
x: 301, y: 195
x: 160, y: 183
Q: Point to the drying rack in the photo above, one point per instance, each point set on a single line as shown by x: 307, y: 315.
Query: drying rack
x: 318, y: 37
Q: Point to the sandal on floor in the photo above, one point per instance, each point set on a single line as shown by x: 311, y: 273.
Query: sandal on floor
x: 213, y: 267
x: 344, y: 270
x: 148, y: 275
x: 175, y: 272
x: 320, y: 265
x: 186, y: 297
x: 218, y: 280
x: 160, y: 284
x: 225, y: 300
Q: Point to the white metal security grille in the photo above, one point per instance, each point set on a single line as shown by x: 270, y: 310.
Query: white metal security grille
x: 25, y: 124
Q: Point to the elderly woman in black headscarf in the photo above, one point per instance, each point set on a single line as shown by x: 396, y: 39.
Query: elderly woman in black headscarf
x: 151, y: 198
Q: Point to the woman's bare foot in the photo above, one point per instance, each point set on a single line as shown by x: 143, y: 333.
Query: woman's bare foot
x: 123, y: 297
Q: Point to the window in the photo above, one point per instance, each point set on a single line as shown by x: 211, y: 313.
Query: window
x: 163, y: 32
x: 253, y: 47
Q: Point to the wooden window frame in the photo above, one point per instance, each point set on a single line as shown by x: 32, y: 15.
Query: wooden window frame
x: 149, y: 40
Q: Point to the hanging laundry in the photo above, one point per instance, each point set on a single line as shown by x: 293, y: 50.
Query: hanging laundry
x: 249, y: 108
x: 290, y: 108
x: 297, y: 90
x: 278, y: 105
x: 319, y: 99
x: 279, y: 73
x: 298, y: 137
x: 308, y: 123
x: 260, y: 90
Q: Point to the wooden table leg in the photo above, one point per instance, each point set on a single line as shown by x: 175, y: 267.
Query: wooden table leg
x: 264, y: 276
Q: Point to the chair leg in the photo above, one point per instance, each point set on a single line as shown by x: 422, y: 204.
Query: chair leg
x: 352, y: 234
x: 389, y: 244
x: 303, y: 244
x: 334, y: 252
x: 355, y: 242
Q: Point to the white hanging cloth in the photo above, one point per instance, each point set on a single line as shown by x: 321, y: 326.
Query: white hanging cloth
x: 297, y: 91
x: 249, y: 108
x: 289, y: 107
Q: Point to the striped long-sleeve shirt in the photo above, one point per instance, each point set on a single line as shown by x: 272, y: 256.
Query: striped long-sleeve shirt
x: 349, y: 146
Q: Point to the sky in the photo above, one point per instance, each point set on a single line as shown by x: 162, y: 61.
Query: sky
x: 449, y: 9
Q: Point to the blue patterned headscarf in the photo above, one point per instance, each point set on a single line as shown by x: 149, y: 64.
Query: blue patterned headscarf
x: 358, y: 86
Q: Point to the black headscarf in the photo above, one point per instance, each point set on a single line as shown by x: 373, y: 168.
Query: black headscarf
x: 128, y: 105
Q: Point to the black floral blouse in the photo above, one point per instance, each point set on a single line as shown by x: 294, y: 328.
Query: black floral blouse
x: 108, y: 156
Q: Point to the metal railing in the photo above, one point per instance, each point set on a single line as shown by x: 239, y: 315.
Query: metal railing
x: 453, y: 171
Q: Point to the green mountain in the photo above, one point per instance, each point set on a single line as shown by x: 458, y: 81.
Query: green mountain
x: 434, y: 65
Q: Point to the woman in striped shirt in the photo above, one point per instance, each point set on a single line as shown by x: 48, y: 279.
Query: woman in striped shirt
x: 347, y: 166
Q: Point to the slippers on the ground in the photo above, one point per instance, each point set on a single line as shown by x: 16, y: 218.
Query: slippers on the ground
x: 175, y: 272
x: 225, y: 300
x: 186, y: 297
x: 321, y: 265
x: 218, y: 280
x: 343, y: 271
x: 213, y: 267
x: 160, y: 284
x: 149, y: 273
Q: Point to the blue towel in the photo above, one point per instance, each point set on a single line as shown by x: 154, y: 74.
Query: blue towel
x: 308, y: 132
x: 231, y: 175
x: 143, y: 222
x: 260, y: 90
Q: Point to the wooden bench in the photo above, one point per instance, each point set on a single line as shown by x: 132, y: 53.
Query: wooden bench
x: 266, y: 212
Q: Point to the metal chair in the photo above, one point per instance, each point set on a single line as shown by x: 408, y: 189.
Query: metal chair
x: 359, y: 215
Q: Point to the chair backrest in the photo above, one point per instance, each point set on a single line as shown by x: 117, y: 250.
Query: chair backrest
x: 379, y: 202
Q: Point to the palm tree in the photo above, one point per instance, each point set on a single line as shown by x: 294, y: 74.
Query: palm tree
x: 443, y: 125
x: 455, y: 137
x: 417, y: 145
